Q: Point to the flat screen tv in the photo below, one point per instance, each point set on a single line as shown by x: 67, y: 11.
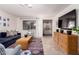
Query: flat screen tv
x: 67, y: 21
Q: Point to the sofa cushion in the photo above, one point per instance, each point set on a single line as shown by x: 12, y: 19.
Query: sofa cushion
x: 3, y: 34
x: 18, y: 33
x: 11, y: 33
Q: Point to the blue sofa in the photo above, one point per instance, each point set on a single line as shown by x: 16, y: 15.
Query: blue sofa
x: 7, y: 41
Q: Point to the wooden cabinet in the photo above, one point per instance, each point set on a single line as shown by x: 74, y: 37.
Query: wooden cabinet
x: 68, y: 43
x: 56, y: 36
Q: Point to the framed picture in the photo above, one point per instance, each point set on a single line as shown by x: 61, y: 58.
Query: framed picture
x: 7, y: 24
x: 29, y: 24
x: 4, y: 24
x: 4, y: 19
x: 1, y: 21
x: 8, y: 19
x: 0, y: 24
x: 0, y: 18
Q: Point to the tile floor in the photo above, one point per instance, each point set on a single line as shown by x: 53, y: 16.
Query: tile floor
x: 50, y: 47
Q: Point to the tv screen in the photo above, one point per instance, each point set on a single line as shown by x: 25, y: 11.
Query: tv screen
x: 67, y: 21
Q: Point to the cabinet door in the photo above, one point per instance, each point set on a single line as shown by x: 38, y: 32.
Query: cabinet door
x: 73, y: 44
x: 64, y: 43
x: 60, y: 40
x: 56, y: 37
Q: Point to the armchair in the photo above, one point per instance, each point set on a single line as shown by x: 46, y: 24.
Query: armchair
x: 10, y: 51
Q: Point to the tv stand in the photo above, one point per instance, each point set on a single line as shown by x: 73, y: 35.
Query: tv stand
x: 67, y: 43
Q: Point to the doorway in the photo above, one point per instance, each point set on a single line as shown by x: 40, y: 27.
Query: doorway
x: 47, y: 27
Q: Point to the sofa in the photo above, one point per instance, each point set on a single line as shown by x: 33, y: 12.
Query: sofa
x: 8, y: 40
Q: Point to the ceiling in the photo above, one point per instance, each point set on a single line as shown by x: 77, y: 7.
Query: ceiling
x: 38, y: 10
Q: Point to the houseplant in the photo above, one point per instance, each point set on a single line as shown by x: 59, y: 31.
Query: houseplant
x: 76, y: 29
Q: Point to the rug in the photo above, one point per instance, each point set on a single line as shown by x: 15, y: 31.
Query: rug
x: 35, y: 46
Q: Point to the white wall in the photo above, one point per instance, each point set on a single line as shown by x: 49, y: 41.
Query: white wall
x: 37, y: 33
x: 66, y: 10
x: 12, y: 22
x: 39, y: 28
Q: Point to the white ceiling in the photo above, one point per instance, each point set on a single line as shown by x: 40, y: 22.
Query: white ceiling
x: 39, y: 10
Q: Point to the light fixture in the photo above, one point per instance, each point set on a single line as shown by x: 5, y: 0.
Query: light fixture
x: 29, y: 5
x: 26, y: 5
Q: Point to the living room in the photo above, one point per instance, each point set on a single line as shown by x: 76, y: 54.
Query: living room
x: 23, y: 23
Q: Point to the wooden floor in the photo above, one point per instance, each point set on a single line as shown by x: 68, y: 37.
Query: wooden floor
x: 50, y: 47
